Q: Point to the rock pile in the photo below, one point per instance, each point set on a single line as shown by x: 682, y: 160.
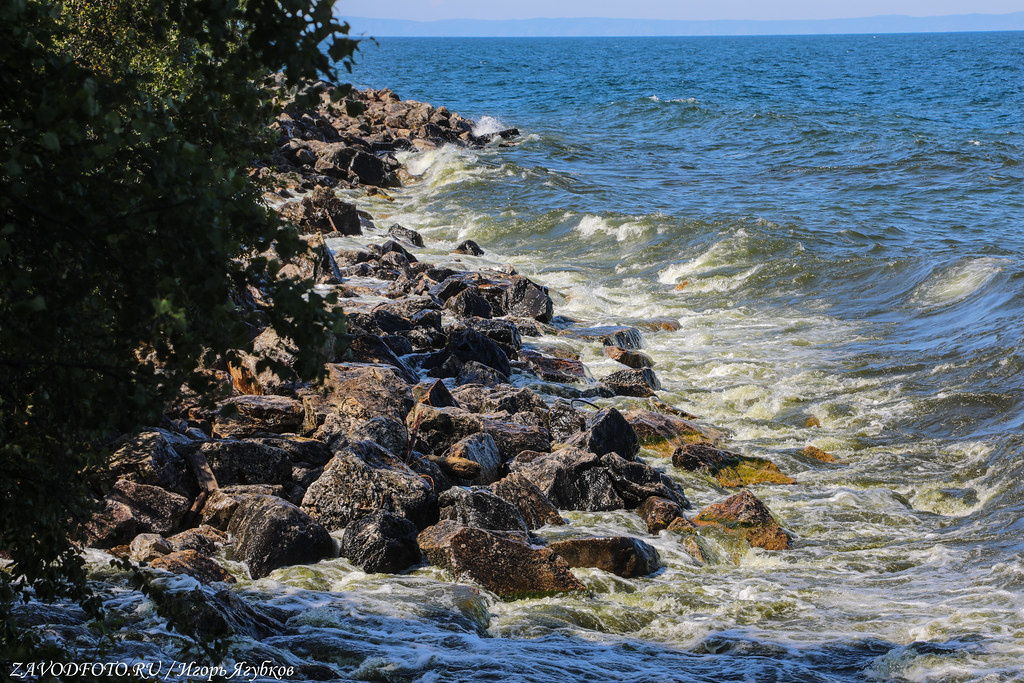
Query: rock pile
x: 417, y: 442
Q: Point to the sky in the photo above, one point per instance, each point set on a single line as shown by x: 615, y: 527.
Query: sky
x: 686, y: 10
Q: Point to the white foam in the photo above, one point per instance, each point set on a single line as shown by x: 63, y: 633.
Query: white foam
x: 488, y: 125
x: 957, y: 282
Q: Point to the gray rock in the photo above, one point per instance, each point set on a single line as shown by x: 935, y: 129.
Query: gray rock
x: 381, y: 542
x: 633, y: 382
x: 480, y: 508
x: 269, y: 533
x: 386, y: 432
x: 534, y: 507
x: 467, y: 344
x: 243, y: 416
x: 151, y: 459
x: 247, y: 462
x: 130, y: 509
x: 481, y: 449
x: 363, y: 477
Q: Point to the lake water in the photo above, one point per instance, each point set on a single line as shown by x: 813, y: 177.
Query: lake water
x: 837, y: 222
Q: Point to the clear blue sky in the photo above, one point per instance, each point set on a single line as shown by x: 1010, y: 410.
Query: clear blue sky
x: 694, y: 10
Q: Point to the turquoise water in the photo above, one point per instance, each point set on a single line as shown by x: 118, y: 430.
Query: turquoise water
x: 846, y: 214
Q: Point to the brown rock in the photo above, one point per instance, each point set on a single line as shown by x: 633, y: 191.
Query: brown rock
x: 730, y: 469
x: 818, y: 454
x: 502, y: 563
x: 663, y: 433
x: 437, y: 395
x: 145, y: 548
x: 356, y: 392
x: 200, y: 567
x: 551, y: 369
x: 658, y: 513
x: 745, y: 515
x: 633, y: 359
x: 130, y: 509
x: 204, y: 539
x: 242, y: 416
x: 621, y: 555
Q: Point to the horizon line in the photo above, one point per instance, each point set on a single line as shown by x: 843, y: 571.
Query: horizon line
x: 570, y: 27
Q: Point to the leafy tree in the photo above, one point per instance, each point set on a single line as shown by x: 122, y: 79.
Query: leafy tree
x: 127, y: 229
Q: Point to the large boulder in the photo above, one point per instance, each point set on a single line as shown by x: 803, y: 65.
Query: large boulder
x: 525, y: 298
x: 730, y: 469
x: 622, y: 555
x: 381, y: 542
x: 323, y: 211
x: 357, y: 392
x: 243, y: 416
x: 505, y: 565
x: 192, y: 563
x: 269, y: 533
x: 150, y: 458
x: 480, y: 508
x: 513, y: 438
x: 438, y: 429
x: 363, y: 477
x: 130, y: 509
x: 534, y: 507
x: 508, y: 399
x: 247, y: 462
x: 221, y: 504
x: 658, y: 513
x: 745, y: 516
x: 608, y: 432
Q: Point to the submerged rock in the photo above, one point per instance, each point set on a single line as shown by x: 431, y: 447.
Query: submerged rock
x: 746, y: 516
x: 730, y: 469
x: 658, y: 513
x: 633, y: 359
x: 664, y: 433
x: 381, y: 542
x: 503, y: 564
x: 621, y: 555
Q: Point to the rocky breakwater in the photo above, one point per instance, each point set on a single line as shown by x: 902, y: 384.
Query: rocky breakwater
x: 450, y: 424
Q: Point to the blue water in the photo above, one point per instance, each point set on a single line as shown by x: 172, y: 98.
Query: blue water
x: 837, y: 222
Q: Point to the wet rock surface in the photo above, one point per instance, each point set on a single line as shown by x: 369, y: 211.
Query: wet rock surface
x: 381, y: 542
x: 503, y: 564
x: 744, y: 515
x: 622, y: 555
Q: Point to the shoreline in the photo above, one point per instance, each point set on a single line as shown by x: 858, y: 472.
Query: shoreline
x: 426, y: 437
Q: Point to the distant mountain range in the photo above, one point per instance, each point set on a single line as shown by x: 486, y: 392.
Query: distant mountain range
x: 653, y: 27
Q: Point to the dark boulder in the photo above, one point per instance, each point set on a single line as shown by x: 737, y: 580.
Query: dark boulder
x: 386, y: 432
x: 658, y: 513
x: 472, y: 372
x: 150, y: 458
x: 534, y: 507
x: 480, y: 508
x: 621, y: 555
x: 565, y: 421
x: 730, y: 469
x: 468, y: 303
x: 247, y: 462
x: 363, y: 477
x: 269, y: 533
x: 439, y: 428
x: 200, y: 567
x: 467, y: 344
x: 527, y: 299
x: 381, y: 542
x: 468, y: 247
x: 371, y: 349
x: 608, y: 432
x: 221, y: 504
x: 500, y: 563
x: 373, y: 171
x: 402, y: 233
x: 130, y: 509
x: 481, y: 449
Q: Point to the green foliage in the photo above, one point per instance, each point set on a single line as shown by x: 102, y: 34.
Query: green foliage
x: 125, y: 219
